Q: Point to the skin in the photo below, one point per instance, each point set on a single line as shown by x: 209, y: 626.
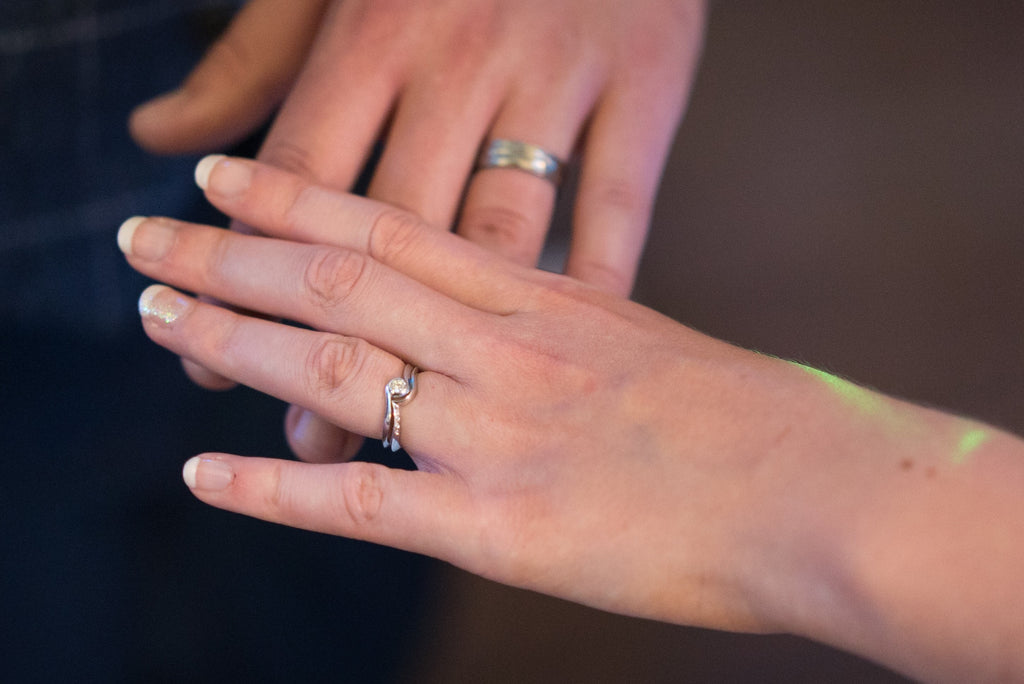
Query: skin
x: 581, y: 445
x: 434, y: 81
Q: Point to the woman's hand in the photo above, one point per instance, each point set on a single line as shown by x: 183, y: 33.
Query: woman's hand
x: 548, y: 418
x: 579, y: 444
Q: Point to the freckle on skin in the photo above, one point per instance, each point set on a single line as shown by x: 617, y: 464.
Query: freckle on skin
x: 906, y: 464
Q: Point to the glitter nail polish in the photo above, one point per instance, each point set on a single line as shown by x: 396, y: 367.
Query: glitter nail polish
x: 162, y: 304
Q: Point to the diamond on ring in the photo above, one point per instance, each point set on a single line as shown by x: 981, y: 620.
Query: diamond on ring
x: 398, y: 388
x: 398, y: 391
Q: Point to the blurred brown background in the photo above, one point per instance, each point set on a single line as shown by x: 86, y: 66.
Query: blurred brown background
x: 845, y: 190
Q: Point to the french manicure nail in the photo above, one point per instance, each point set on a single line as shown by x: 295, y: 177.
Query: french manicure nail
x: 302, y: 425
x: 204, y: 167
x: 207, y: 474
x: 126, y: 232
x: 157, y: 111
x: 152, y: 244
x: 161, y: 303
x: 232, y: 177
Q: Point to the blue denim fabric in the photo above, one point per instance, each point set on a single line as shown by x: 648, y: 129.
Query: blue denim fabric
x: 109, y: 570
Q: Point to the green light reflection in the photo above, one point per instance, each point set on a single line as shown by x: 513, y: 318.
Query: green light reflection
x: 969, y: 443
x: 863, y: 399
x: 872, y: 404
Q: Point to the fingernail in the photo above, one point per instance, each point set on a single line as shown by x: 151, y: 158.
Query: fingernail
x: 207, y: 474
x: 152, y: 244
x: 232, y: 177
x: 204, y: 167
x: 126, y: 232
x: 156, y: 111
x: 161, y: 303
x: 302, y: 424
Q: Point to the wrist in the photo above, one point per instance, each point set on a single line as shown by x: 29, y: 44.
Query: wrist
x: 824, y: 494
x: 888, y: 535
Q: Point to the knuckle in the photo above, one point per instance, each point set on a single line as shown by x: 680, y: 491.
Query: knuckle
x: 217, y: 342
x: 566, y: 46
x: 217, y: 258
x: 278, y: 494
x: 505, y: 230
x: 649, y: 53
x: 331, y: 276
x: 482, y: 24
x: 228, y: 60
x: 290, y: 157
x: 393, y: 234
x: 604, y: 276
x: 332, y: 364
x: 617, y: 194
x: 362, y: 493
x: 305, y: 201
x: 374, y: 22
x: 362, y: 488
x: 527, y: 354
x: 473, y: 39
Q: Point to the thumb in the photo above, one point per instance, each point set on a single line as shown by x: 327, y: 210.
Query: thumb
x: 238, y: 83
x: 412, y: 510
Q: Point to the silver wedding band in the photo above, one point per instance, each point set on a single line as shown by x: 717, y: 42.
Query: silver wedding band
x: 397, y: 392
x: 515, y: 154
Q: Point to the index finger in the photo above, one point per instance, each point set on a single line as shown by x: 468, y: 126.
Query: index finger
x: 281, y: 204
